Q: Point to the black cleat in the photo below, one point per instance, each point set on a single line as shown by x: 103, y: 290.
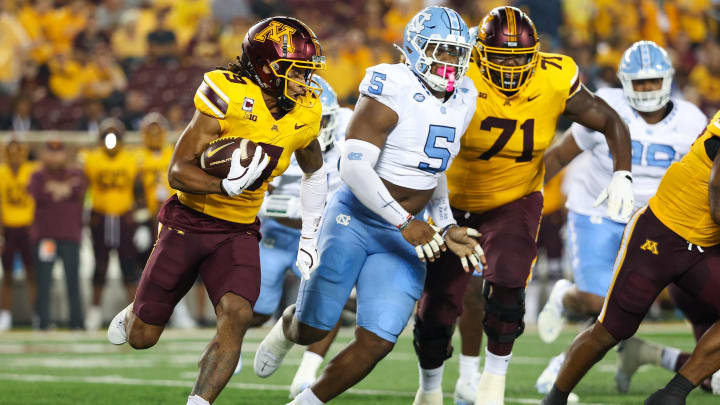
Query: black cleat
x: 663, y: 397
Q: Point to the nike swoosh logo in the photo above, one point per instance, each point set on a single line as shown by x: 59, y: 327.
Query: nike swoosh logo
x: 533, y: 98
x: 214, y: 151
x: 299, y: 126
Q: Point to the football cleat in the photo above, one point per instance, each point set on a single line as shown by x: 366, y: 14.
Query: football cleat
x: 238, y: 368
x: 551, y: 319
x: 546, y: 380
x: 663, y: 397
x: 465, y: 391
x: 428, y: 397
x: 116, y: 333
x: 633, y: 353
x: 272, y: 351
x: 715, y: 383
x: 490, y: 390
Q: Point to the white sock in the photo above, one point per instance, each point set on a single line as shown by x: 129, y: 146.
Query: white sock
x: 197, y: 400
x: 431, y: 379
x: 669, y: 358
x: 276, y: 338
x: 309, y: 364
x: 307, y: 397
x: 469, y: 367
x: 558, y: 299
x: 497, y: 365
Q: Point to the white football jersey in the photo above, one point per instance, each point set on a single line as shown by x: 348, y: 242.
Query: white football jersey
x: 288, y: 183
x: 427, y: 135
x: 654, y: 148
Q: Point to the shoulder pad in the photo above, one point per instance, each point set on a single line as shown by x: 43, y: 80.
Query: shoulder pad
x: 562, y: 72
x: 216, y: 91
x: 385, y: 83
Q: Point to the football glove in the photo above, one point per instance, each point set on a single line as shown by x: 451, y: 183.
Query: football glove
x: 308, y: 258
x: 619, y: 194
x: 142, y: 238
x: 239, y: 178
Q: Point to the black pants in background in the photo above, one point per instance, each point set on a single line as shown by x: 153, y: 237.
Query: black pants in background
x: 45, y: 257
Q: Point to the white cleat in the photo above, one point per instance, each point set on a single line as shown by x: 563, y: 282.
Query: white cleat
x: 490, y: 389
x: 465, y: 391
x: 551, y: 319
x: 5, y: 320
x: 546, y: 380
x: 272, y: 351
x: 299, y: 384
x: 428, y: 397
x: 633, y: 353
x: 715, y: 383
x: 93, y: 320
x: 116, y: 333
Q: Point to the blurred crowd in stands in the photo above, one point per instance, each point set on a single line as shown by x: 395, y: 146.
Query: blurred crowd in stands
x: 67, y: 64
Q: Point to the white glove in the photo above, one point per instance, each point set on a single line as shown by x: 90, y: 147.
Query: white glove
x: 239, y: 178
x: 308, y: 258
x: 619, y: 194
x: 280, y: 205
x: 142, y: 238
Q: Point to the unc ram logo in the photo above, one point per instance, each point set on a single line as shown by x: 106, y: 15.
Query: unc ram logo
x: 418, y: 23
x: 278, y: 33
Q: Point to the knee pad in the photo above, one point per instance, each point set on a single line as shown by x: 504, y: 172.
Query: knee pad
x: 504, y: 312
x: 432, y: 343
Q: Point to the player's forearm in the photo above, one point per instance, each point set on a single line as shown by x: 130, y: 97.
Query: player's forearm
x: 440, y: 204
x: 189, y: 178
x: 358, y: 172
x: 617, y: 136
x: 313, y: 193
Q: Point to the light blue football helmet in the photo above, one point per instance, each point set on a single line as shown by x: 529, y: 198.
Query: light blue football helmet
x: 646, y: 60
x: 440, y: 29
x: 330, y: 109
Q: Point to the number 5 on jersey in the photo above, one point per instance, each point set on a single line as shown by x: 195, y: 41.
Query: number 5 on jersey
x: 433, y: 151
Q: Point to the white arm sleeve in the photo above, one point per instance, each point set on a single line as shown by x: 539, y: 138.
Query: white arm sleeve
x: 439, y: 204
x: 313, y: 192
x: 357, y: 169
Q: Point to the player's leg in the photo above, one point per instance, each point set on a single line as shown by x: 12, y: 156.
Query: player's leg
x: 128, y: 256
x: 438, y: 309
x: 44, y: 265
x: 508, y: 237
x: 278, y: 251
x: 223, y: 352
x: 101, y: 252
x: 387, y: 288
x: 69, y: 252
x: 636, y: 283
x: 310, y: 363
x: 321, y: 299
x: 471, y: 333
x: 702, y: 281
x: 26, y: 255
x: 8, y: 258
x: 593, y: 243
x: 169, y: 273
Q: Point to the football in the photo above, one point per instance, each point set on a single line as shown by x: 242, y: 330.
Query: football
x: 215, y: 160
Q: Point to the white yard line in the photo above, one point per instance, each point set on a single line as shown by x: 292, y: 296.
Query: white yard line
x: 112, y: 379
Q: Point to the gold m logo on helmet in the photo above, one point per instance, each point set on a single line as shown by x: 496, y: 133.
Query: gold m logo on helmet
x: 651, y: 246
x: 278, y: 33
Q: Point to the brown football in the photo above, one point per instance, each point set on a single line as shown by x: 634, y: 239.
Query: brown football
x: 215, y: 160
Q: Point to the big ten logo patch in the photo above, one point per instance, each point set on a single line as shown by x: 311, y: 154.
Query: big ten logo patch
x: 651, y: 246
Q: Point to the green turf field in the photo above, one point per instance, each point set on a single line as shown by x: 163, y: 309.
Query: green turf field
x: 79, y: 368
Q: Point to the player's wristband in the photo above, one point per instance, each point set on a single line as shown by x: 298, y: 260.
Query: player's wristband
x: 446, y: 229
x: 405, y: 224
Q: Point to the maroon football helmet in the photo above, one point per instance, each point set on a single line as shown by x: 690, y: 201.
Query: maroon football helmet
x: 507, y: 32
x: 283, y: 44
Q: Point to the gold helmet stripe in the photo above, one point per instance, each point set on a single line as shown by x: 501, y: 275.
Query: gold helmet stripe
x: 511, y: 23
